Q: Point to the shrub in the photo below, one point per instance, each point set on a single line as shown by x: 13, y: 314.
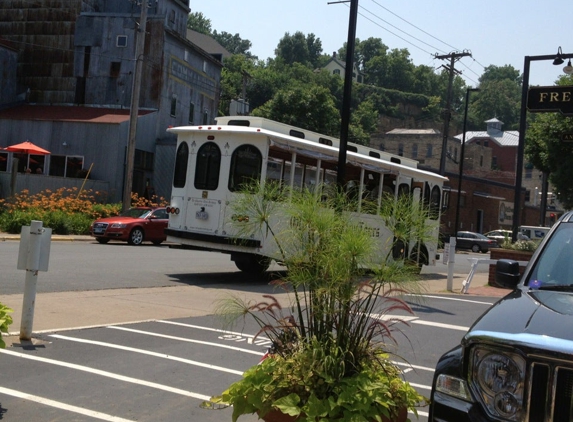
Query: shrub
x: 5, y: 321
x: 65, y: 211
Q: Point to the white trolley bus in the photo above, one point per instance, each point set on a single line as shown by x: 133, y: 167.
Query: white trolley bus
x: 213, y: 160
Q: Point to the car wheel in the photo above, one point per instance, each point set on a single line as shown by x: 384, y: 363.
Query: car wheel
x: 476, y: 248
x: 102, y: 240
x: 135, y: 237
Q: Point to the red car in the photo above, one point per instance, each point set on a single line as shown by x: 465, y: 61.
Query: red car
x: 134, y: 226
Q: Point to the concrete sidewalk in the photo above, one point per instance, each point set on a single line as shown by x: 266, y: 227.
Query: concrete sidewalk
x: 72, y: 310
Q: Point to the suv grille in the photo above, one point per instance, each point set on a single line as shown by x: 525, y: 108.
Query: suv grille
x: 551, y: 392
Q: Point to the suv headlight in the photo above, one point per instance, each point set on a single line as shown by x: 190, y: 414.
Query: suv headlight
x: 498, y: 378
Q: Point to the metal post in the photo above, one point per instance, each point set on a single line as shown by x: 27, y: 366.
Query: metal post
x: 32, y: 267
x: 347, y: 93
x: 134, y: 110
x: 457, y: 224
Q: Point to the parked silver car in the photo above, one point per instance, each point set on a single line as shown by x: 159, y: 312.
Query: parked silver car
x: 476, y: 242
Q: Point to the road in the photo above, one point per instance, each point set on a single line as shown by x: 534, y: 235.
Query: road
x: 164, y: 369
x: 80, y: 266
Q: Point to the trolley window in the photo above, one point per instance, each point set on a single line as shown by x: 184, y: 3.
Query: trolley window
x: 180, y: 175
x: 246, y: 163
x: 207, y: 167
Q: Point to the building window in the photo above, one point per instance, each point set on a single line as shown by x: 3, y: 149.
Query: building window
x: 429, y: 151
x: 401, y: 150
x: 3, y: 161
x: 415, y: 151
x: 485, y: 143
x: 456, y: 153
x: 382, y: 147
x: 66, y: 165
x: 114, y: 69
x: 173, y: 110
x: 527, y: 195
x: 481, y: 160
x: 494, y: 163
x: 205, y: 117
x: 528, y: 173
x: 191, y: 113
x: 121, y: 41
x: 336, y: 72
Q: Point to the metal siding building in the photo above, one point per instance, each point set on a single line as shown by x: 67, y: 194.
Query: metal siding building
x: 85, y: 60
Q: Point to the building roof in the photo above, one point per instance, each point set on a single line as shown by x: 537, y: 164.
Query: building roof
x: 508, y: 138
x: 68, y: 113
x: 413, y: 132
x: 207, y: 43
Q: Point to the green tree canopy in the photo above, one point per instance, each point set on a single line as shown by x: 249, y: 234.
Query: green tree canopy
x: 198, y: 22
x: 499, y: 97
x: 299, y: 48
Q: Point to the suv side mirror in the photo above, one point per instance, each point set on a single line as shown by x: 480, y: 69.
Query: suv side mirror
x: 507, y: 273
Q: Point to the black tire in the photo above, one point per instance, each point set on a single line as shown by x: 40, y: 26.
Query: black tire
x: 102, y: 240
x: 136, y: 237
x: 476, y: 248
x: 253, y: 264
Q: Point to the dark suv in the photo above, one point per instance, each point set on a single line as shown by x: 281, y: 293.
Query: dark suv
x: 516, y: 361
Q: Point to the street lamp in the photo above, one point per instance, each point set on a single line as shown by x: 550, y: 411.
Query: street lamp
x: 557, y: 60
x: 456, y: 226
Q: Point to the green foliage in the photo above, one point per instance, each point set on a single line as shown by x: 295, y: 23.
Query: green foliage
x: 5, y: 321
x: 309, y: 107
x: 306, y: 384
x: 65, y: 211
x: 198, y: 22
x: 519, y: 245
x: 330, y: 344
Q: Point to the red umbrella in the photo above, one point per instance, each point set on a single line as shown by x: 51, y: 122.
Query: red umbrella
x: 27, y: 148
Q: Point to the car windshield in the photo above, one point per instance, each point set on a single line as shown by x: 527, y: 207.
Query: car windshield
x: 136, y: 213
x: 554, y: 268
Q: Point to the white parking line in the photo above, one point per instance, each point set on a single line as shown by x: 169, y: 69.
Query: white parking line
x: 63, y: 406
x: 456, y: 299
x: 207, y: 343
x: 441, y: 325
x: 149, y: 353
x: 233, y: 335
x: 108, y: 374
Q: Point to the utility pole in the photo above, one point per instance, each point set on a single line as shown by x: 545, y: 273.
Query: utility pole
x: 453, y: 57
x: 347, y: 92
x: 134, y: 109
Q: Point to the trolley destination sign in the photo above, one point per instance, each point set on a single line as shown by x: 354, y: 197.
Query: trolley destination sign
x: 542, y: 99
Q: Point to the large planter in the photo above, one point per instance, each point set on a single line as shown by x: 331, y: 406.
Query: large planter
x: 278, y: 416
x: 500, y: 253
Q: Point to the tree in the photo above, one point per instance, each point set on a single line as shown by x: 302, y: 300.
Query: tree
x: 299, y: 49
x: 545, y: 150
x: 499, y: 96
x: 234, y: 44
x: 306, y: 106
x: 198, y: 22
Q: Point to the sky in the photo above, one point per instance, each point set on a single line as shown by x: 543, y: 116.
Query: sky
x: 496, y: 33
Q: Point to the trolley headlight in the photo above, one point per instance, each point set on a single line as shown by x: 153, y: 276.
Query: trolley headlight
x: 498, y: 377
x: 172, y: 210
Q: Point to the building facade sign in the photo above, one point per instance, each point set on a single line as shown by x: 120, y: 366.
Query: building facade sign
x: 505, y: 212
x: 550, y: 99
